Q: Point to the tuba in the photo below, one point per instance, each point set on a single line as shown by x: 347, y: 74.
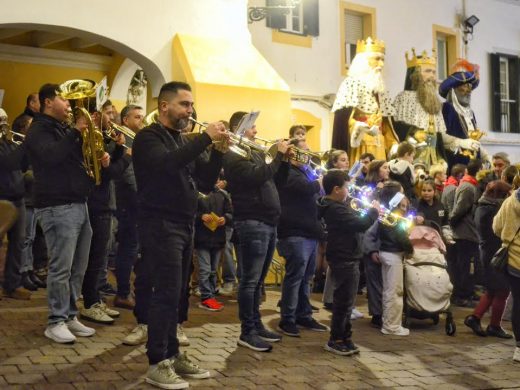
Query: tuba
x: 93, y: 148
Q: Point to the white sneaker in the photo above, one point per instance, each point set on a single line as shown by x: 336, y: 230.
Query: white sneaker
x: 111, y: 312
x: 60, y: 333
x: 138, y: 335
x: 181, y: 336
x: 196, y: 291
x: 78, y: 329
x: 401, y: 331
x: 516, y: 355
x: 356, y: 314
x: 227, y: 290
x: 163, y: 375
x: 96, y: 314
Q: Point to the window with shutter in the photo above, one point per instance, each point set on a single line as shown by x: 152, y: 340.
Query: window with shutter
x: 505, y: 92
x: 357, y: 22
x: 353, y: 33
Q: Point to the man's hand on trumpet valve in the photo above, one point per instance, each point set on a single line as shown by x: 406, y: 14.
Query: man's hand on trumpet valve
x: 217, y: 131
x: 376, y: 205
x: 120, y: 139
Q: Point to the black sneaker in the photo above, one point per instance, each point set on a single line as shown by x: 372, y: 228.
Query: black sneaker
x: 107, y: 289
x: 498, y: 331
x: 350, y: 345
x: 474, y: 323
x: 315, y: 309
x: 267, y: 335
x: 327, y: 306
x: 376, y: 321
x: 339, y: 348
x: 254, y: 342
x: 311, y: 324
x: 289, y: 329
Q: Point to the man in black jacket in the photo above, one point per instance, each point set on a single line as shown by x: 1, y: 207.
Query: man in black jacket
x: 12, y: 188
x: 344, y: 252
x: 61, y: 186
x: 101, y: 206
x: 126, y: 213
x: 256, y: 208
x: 298, y: 232
x: 165, y: 163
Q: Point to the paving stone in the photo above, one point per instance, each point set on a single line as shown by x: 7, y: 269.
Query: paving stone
x: 427, y: 359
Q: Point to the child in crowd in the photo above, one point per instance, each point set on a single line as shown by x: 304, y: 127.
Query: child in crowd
x: 401, y: 168
x: 344, y: 252
x: 438, y: 175
x: 394, y: 246
x: 429, y: 206
x: 213, y: 214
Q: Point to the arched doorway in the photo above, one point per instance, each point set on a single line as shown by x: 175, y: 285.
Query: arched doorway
x: 57, y: 53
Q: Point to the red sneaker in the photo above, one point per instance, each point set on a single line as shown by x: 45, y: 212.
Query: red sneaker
x: 211, y: 304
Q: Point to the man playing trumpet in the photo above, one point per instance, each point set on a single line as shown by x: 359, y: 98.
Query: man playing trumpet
x: 256, y: 204
x: 166, y: 164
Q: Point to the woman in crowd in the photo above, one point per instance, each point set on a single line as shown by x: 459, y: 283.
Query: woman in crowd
x: 506, y: 225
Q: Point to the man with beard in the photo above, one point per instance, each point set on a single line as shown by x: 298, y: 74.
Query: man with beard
x: 458, y: 115
x: 418, y: 117
x: 166, y: 164
x: 363, y: 110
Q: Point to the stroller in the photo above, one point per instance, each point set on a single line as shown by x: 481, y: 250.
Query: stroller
x: 427, y: 286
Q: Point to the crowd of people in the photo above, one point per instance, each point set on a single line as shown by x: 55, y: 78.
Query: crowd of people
x: 185, y: 203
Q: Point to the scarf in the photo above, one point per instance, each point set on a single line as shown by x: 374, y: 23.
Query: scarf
x: 451, y: 181
x: 469, y: 179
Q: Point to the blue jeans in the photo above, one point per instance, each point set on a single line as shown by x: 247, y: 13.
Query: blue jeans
x: 229, y: 272
x: 30, y: 233
x: 256, y: 241
x: 208, y: 263
x: 67, y: 234
x: 300, y: 263
x: 126, y: 250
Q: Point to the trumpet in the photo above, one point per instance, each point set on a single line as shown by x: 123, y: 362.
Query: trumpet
x: 239, y: 145
x: 8, y: 134
x: 114, y: 128
x: 361, y: 204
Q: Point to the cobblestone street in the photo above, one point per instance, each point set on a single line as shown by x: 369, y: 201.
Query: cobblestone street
x: 427, y: 359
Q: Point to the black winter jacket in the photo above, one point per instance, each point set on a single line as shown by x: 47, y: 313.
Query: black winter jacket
x: 12, y: 162
x: 56, y: 156
x: 344, y: 229
x: 436, y: 212
x: 218, y: 202
x: 102, y: 198
x: 252, y: 186
x: 165, y: 163
x: 299, y: 210
x: 486, y: 210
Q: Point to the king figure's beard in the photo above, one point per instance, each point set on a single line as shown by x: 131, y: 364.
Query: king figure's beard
x: 373, y: 80
x: 427, y: 96
x: 464, y: 100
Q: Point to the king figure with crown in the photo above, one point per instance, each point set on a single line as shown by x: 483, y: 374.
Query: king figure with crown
x: 418, y: 117
x: 459, y: 117
x: 363, y: 109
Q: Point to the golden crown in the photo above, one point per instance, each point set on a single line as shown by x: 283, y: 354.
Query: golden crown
x: 370, y: 46
x: 423, y: 59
